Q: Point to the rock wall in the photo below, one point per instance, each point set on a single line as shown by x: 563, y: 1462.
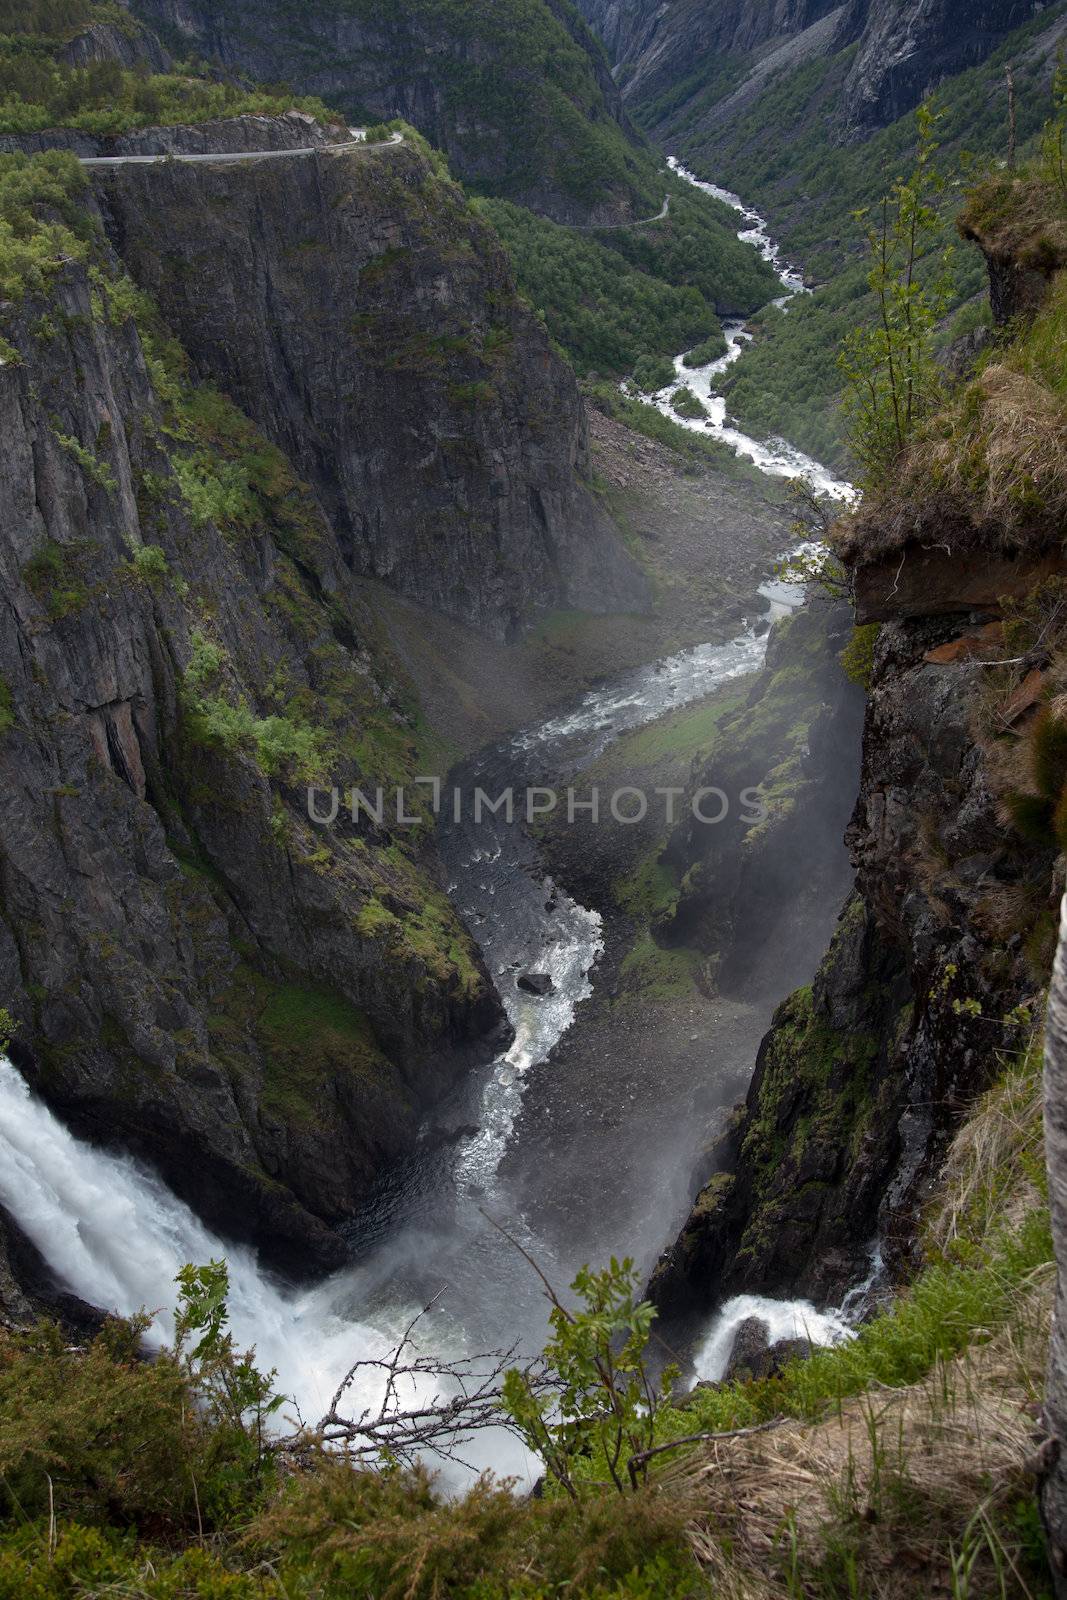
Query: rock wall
x: 902, y: 52
x: 263, y: 1010
x: 862, y: 1075
x: 358, y: 310
x: 906, y: 50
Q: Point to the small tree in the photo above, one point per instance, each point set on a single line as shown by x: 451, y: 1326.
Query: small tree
x: 1054, y: 134
x: 892, y: 378
x: 238, y: 1393
x: 602, y: 1403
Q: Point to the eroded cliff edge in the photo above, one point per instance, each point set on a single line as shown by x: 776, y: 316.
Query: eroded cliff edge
x: 950, y: 928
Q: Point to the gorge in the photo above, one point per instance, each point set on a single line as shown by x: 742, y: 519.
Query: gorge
x: 724, y: 734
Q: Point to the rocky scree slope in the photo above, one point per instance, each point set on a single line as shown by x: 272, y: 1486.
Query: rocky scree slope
x: 368, y: 321
x: 673, y: 57
x: 949, y: 930
x: 516, y: 92
x: 262, y: 1009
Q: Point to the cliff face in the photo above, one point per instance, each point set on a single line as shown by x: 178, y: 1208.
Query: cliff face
x: 944, y: 945
x: 263, y: 1009
x: 906, y: 50
x: 860, y: 1077
x: 653, y: 41
x: 717, y: 58
x: 357, y: 309
x: 518, y: 93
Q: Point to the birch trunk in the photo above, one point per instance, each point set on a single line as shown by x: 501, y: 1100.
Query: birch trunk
x: 1053, y: 1489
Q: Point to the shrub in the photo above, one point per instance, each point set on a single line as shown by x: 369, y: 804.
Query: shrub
x: 857, y: 657
x: 651, y: 374
x: 7, y: 707
x: 706, y: 352
x: 95, y: 470
x: 687, y: 404
x: 40, y: 226
x: 149, y: 562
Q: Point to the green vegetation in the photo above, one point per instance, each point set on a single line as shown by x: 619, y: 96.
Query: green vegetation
x: 41, y: 228
x: 39, y: 90
x: 893, y: 382
x: 987, y: 1242
x: 687, y: 404
x: 857, y: 657
x: 617, y: 298
x: 97, y: 471
x: 604, y: 313
x: 653, y: 373
x: 904, y: 1445
x: 697, y: 448
x: 520, y: 108
x: 281, y: 745
x: 602, y: 1404
x: 7, y: 707
x: 781, y: 153
x: 702, y: 355
x: 150, y: 564
x: 7, y: 1028
x: 56, y: 575
x: 989, y: 465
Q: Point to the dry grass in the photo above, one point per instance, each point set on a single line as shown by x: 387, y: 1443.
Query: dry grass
x: 887, y: 1497
x: 990, y: 473
x: 1017, y: 219
x: 993, y: 1172
x: 921, y: 1489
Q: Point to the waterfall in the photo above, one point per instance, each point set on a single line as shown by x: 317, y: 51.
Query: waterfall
x: 114, y: 1234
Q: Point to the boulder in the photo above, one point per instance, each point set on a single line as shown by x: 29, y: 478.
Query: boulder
x: 538, y: 983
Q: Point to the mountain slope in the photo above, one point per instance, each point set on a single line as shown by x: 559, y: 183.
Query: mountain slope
x: 516, y: 92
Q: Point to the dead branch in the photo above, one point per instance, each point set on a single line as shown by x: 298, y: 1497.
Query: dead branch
x: 427, y: 1405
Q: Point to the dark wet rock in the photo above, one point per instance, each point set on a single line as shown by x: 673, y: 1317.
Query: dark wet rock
x: 368, y: 321
x: 751, y: 1343
x: 859, y: 1081
x: 29, y: 1290
x: 538, y: 983
x: 752, y: 1356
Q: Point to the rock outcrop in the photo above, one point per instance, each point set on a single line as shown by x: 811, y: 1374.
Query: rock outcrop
x: 518, y: 95
x: 697, y: 64
x: 906, y: 50
x: 368, y: 321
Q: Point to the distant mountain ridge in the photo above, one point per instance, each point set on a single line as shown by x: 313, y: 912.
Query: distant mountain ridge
x: 703, y: 51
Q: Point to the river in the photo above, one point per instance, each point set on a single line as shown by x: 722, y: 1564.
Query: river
x: 115, y: 1235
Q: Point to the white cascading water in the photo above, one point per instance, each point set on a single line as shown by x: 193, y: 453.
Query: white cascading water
x: 783, y: 1319
x: 115, y: 1235
x: 775, y: 457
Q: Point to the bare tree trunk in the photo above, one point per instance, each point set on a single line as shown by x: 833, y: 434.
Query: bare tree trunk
x: 1053, y: 1488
